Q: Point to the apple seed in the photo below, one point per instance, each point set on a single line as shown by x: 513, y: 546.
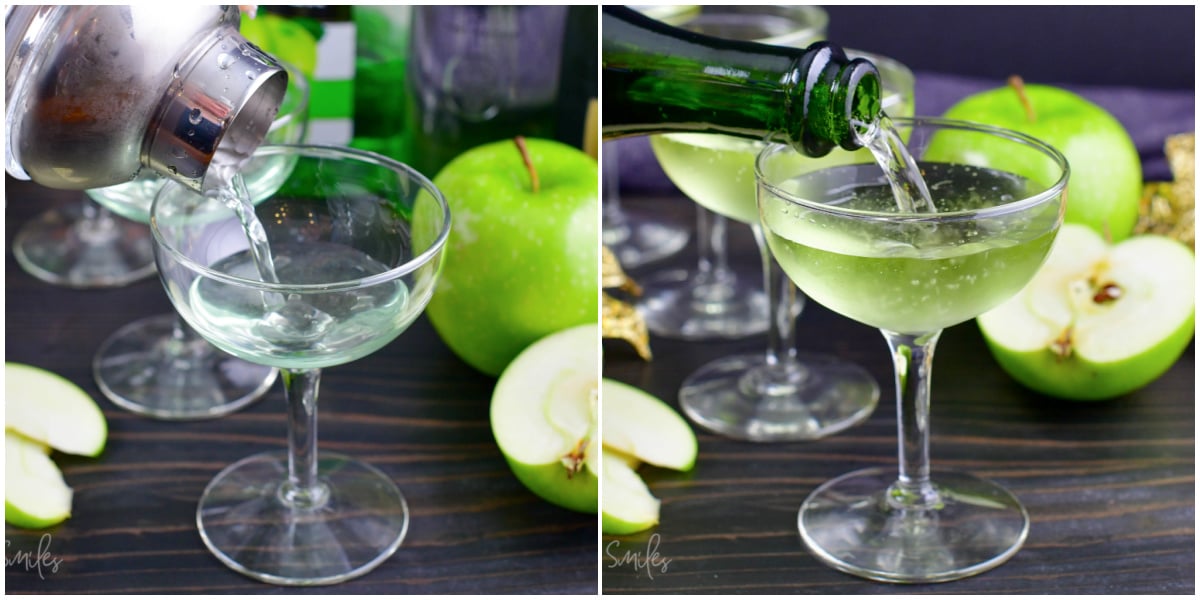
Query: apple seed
x: 1061, y: 346
x: 1109, y: 292
x: 573, y: 461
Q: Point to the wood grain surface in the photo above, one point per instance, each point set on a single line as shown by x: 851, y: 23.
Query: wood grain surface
x: 412, y: 409
x: 1109, y: 486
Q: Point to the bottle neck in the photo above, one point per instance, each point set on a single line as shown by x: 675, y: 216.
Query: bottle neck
x: 659, y: 79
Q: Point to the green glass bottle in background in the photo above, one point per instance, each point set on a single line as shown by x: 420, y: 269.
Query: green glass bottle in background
x: 382, y: 33
x: 331, y: 100
x: 659, y: 79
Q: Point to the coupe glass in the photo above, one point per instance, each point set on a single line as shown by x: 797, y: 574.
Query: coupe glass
x: 838, y: 235
x: 84, y: 245
x: 711, y: 300
x: 356, y: 240
x: 779, y: 394
x: 157, y: 366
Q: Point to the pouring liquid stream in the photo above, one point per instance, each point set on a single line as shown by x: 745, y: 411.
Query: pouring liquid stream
x: 899, y: 167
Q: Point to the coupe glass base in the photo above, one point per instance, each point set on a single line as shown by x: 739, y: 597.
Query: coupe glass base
x: 145, y: 369
x: 637, y: 242
x: 66, y: 247
x: 741, y: 397
x: 852, y: 524
x: 680, y: 305
x: 247, y: 522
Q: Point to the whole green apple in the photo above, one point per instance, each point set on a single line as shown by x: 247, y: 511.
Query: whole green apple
x: 1098, y: 320
x: 522, y: 259
x: 1106, y: 172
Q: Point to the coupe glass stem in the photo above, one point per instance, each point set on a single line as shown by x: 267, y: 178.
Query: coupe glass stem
x: 713, y: 263
x: 302, y: 490
x: 184, y: 348
x: 782, y: 304
x: 613, y: 216
x: 912, y: 356
x: 98, y: 224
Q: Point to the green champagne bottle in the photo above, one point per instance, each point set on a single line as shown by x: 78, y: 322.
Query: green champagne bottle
x: 660, y: 79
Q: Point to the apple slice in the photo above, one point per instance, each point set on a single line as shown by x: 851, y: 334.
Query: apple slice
x: 49, y: 409
x: 543, y: 416
x: 628, y: 505
x: 1097, y: 321
x: 35, y: 495
x: 646, y: 428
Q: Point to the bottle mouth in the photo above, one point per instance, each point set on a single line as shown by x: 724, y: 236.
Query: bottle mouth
x: 864, y: 100
x: 218, y: 109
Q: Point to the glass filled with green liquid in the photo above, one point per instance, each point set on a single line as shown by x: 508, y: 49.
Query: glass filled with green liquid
x: 777, y: 394
x: 851, y: 244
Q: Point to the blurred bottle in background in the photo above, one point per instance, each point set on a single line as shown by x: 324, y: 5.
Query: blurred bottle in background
x: 427, y: 83
x: 478, y: 74
x: 332, y: 78
x: 381, y: 58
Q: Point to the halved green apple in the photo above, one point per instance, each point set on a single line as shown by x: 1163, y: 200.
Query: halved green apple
x: 543, y: 416
x: 628, y: 505
x: 47, y: 408
x: 35, y: 495
x: 1098, y: 320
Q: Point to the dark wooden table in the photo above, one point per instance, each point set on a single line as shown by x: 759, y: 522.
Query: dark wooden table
x: 412, y: 409
x: 1109, y: 486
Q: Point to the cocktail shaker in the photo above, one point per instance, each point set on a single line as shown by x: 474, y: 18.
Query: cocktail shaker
x: 95, y: 94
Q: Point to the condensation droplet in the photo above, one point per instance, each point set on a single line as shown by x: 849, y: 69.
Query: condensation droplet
x: 194, y: 116
x: 191, y: 132
x: 249, y: 74
x: 224, y: 61
x: 173, y: 170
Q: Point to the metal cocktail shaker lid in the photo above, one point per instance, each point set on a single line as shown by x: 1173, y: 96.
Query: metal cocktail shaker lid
x: 218, y: 109
x: 95, y: 93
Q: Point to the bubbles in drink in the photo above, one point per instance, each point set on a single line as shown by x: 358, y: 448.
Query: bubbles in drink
x: 953, y: 187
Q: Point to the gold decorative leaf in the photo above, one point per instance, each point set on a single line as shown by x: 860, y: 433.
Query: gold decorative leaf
x: 620, y: 320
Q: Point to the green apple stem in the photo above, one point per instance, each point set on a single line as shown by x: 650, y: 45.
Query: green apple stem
x: 1018, y: 85
x: 533, y: 176
x: 913, y: 359
x: 302, y: 491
